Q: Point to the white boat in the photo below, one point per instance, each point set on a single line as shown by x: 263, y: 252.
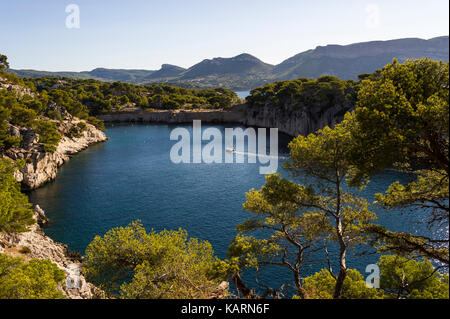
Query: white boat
x: 231, y: 150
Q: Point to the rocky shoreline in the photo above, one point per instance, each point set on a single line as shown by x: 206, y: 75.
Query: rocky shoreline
x: 40, y: 166
x: 288, y: 121
x: 34, y: 244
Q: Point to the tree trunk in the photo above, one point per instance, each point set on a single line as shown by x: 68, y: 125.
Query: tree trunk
x: 242, y: 287
x: 338, y: 290
x: 298, y: 285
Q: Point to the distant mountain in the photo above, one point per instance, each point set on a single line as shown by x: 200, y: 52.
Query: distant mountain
x: 347, y: 62
x: 167, y: 71
x: 120, y: 74
x: 134, y: 76
x: 243, y: 64
x: 245, y: 71
x: 37, y: 74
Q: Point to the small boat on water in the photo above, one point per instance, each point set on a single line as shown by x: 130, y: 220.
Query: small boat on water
x: 231, y: 150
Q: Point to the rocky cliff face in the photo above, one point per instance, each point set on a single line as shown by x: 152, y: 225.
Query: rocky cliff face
x: 35, y: 245
x: 291, y: 122
x: 302, y: 121
x: 42, y: 166
x: 233, y: 115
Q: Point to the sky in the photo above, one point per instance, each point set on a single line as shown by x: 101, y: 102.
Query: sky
x: 143, y: 34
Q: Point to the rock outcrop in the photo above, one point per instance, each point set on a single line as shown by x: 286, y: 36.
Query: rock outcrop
x: 232, y: 115
x: 41, y: 166
x: 294, y: 122
x: 35, y: 245
x: 291, y: 122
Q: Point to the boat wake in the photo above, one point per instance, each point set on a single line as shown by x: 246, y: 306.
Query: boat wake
x: 232, y: 150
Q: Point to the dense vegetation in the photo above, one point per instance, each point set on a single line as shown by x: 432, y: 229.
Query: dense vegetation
x: 36, y: 279
x: 97, y: 97
x: 128, y: 262
x: 15, y: 212
x: 325, y: 92
x: 401, y: 120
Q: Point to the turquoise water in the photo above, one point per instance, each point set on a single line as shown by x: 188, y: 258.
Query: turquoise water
x: 131, y: 177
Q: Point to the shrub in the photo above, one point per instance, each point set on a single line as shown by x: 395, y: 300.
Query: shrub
x: 37, y: 279
x: 22, y: 116
x: 25, y: 250
x: 15, y: 210
x: 48, y: 134
x: 99, y: 124
x: 137, y: 264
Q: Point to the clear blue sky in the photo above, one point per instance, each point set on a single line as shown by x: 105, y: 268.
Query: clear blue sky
x: 145, y: 34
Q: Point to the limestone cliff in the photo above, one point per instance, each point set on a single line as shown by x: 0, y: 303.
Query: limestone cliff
x: 292, y: 122
x: 301, y: 121
x: 41, y: 166
x: 233, y: 115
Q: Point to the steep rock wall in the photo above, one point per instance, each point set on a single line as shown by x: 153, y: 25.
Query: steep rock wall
x: 292, y: 122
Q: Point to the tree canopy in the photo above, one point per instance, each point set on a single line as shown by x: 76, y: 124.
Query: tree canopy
x: 128, y: 262
x: 15, y: 210
x: 36, y: 279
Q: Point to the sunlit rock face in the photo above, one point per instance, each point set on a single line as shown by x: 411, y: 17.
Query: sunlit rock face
x: 40, y: 166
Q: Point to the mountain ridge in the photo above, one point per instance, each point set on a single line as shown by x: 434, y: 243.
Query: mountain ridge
x: 245, y: 71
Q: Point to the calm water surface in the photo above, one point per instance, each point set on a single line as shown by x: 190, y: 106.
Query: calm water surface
x: 131, y: 177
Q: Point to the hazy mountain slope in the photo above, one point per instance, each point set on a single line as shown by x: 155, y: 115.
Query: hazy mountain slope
x: 166, y: 71
x: 38, y: 74
x: 239, y: 65
x: 103, y: 74
x: 346, y: 62
x: 120, y: 74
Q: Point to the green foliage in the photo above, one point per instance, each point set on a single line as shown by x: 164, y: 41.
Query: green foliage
x: 78, y: 129
x: 3, y: 62
x: 406, y: 244
x: 131, y: 263
x: 321, y: 286
x: 290, y: 230
x: 54, y: 115
x: 48, y: 134
x: 22, y: 116
x: 81, y: 126
x: 403, y: 115
x: 15, y: 212
x: 99, y: 124
x: 6, y: 140
x: 37, y: 279
x: 402, y: 120
x: 326, y: 91
x: 78, y: 96
x: 406, y: 278
x: 292, y: 218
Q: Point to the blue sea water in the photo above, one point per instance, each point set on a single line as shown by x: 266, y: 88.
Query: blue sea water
x: 130, y: 177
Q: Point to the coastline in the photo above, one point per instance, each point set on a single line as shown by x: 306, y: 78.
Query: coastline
x: 41, y: 167
x: 34, y: 244
x: 292, y: 122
